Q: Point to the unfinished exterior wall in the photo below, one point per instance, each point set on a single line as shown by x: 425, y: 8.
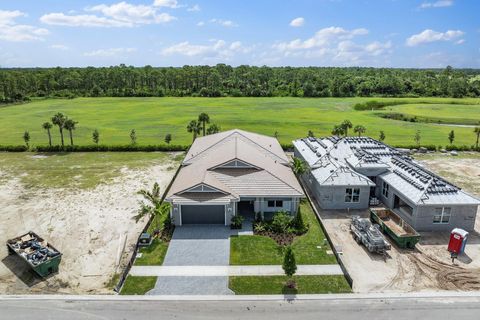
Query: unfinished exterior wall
x: 462, y: 216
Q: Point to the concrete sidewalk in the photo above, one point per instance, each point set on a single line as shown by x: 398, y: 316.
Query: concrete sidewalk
x: 215, y: 271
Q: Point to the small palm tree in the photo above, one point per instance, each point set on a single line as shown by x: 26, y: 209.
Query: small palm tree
x: 360, y: 130
x: 96, y: 136
x: 346, y: 124
x: 153, y: 207
x: 451, y: 136
x: 70, y: 125
x: 338, y: 130
x: 382, y: 136
x: 213, y: 128
x: 47, y: 126
x: 168, y: 138
x: 59, y: 120
x: 194, y: 127
x: 133, y: 137
x: 203, y: 118
x: 477, y: 132
x: 299, y: 166
x: 417, y: 137
x: 310, y: 134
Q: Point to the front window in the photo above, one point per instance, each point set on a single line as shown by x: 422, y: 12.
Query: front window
x: 352, y: 195
x: 385, y: 188
x: 271, y: 204
x: 275, y: 203
x: 442, y: 215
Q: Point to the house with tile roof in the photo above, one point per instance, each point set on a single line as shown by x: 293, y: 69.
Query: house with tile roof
x: 356, y: 172
x: 233, y: 172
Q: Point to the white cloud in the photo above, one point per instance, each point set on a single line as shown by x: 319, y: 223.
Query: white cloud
x: 194, y: 8
x: 216, y: 49
x: 437, y: 4
x: 201, y: 23
x: 166, y: 3
x: 60, y: 47
x: 224, y: 23
x: 111, y: 52
x: 11, y: 31
x: 132, y: 14
x: 461, y: 41
x: 297, y: 22
x: 428, y: 35
x: 121, y: 14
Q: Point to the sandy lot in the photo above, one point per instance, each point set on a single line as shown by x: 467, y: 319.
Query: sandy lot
x: 89, y: 226
x: 429, y: 266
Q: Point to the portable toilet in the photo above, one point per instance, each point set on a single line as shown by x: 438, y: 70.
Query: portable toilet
x: 458, y: 240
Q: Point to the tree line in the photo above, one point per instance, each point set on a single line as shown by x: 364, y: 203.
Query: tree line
x: 243, y: 81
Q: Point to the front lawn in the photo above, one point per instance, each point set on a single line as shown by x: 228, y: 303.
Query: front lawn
x: 262, y: 250
x: 138, y: 285
x: 152, y: 255
x: 276, y: 285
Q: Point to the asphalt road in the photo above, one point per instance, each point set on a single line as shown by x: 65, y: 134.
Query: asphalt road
x: 344, y: 309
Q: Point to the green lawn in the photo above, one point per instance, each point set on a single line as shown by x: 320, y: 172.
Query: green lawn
x: 276, y: 285
x: 138, y: 285
x: 78, y: 169
x: 260, y: 250
x: 291, y: 117
x: 152, y: 255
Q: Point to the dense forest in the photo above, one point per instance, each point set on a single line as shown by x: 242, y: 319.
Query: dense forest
x: 241, y: 81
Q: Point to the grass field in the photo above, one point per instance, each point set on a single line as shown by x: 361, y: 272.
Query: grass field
x: 291, y: 117
x: 138, y: 285
x: 276, y: 285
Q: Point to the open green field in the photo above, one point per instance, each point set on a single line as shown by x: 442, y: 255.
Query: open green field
x: 290, y: 117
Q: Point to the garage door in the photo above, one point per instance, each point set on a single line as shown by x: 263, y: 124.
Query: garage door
x: 203, y: 214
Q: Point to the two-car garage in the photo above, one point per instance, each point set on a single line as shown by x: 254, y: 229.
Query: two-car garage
x: 202, y: 214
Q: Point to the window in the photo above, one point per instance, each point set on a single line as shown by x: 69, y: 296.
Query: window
x: 442, y: 215
x: 352, y: 195
x: 385, y: 188
x: 275, y: 203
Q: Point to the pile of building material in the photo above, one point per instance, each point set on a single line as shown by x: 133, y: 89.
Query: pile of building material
x: 369, y: 235
x: 38, y: 253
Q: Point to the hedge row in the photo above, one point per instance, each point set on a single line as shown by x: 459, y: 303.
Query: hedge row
x: 94, y: 148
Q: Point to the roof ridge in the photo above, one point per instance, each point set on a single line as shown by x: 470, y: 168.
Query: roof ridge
x: 240, y: 133
x: 213, y: 145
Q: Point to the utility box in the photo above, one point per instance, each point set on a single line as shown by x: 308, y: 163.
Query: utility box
x: 458, y: 240
x: 145, y: 240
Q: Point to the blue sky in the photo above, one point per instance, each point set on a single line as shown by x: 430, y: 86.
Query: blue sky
x: 388, y: 33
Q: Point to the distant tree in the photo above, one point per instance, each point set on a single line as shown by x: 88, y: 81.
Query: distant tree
x: 311, y: 134
x: 59, y: 120
x: 47, y: 126
x: 70, y: 125
x: 213, y: 128
x: 133, y: 137
x: 338, y: 130
x: 26, y: 138
x: 451, y: 136
x: 203, y: 118
x: 346, y: 124
x: 168, y: 138
x: 417, y: 137
x: 194, y: 127
x: 275, y: 134
x: 289, y: 264
x: 382, y: 136
x: 299, y: 166
x: 96, y: 136
x: 477, y: 133
x: 360, y: 130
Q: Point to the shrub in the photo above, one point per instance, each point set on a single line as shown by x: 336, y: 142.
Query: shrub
x: 289, y: 264
x: 281, y: 222
x: 106, y: 148
x: 298, y: 224
x: 13, y: 148
x: 236, y: 222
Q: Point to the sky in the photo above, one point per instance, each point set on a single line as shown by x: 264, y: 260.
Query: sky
x: 366, y: 33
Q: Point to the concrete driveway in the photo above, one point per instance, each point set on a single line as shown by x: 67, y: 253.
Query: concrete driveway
x: 196, y: 245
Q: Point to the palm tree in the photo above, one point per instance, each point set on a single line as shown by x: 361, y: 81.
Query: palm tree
x: 194, y: 127
x: 47, y: 126
x: 338, y: 130
x: 26, y: 138
x: 299, y: 166
x: 451, y: 136
x: 213, y: 128
x: 346, y: 124
x: 203, y: 118
x: 382, y: 136
x: 70, y: 126
x: 477, y: 132
x: 59, y: 120
x: 154, y: 206
x: 359, y: 130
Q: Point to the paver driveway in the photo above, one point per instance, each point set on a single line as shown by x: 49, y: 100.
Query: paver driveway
x: 196, y: 245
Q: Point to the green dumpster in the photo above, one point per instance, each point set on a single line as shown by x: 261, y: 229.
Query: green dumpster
x: 41, y: 256
x: 395, y: 227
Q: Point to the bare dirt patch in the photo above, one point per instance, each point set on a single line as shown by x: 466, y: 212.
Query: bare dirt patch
x: 93, y: 228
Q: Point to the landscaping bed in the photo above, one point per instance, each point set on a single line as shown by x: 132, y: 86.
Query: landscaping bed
x: 276, y: 285
x: 264, y: 250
